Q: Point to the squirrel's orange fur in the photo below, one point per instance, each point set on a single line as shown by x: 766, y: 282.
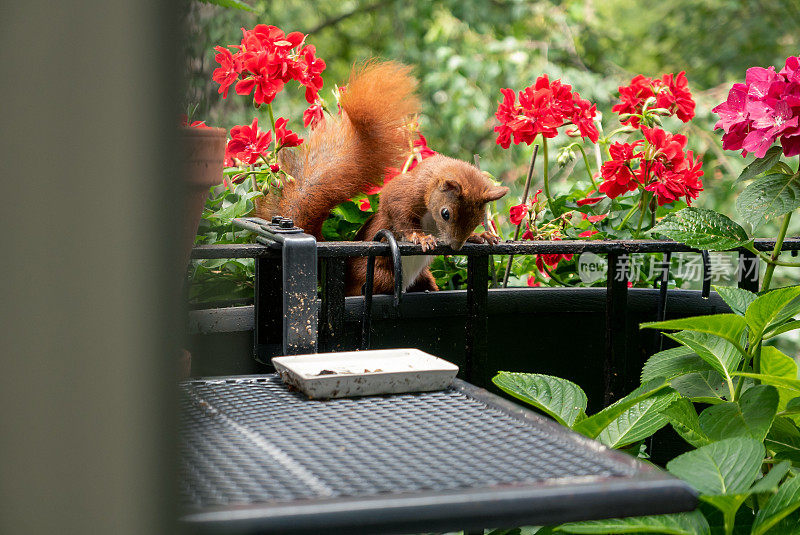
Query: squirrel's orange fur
x: 349, y: 154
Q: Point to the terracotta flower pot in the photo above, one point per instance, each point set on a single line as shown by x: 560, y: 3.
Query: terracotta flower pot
x: 204, y: 157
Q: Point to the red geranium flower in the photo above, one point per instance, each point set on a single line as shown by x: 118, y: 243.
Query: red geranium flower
x: 313, y: 116
x: 587, y: 233
x: 227, y: 72
x: 543, y: 108
x: 617, y: 172
x: 671, y: 93
x: 247, y: 143
x: 285, y: 137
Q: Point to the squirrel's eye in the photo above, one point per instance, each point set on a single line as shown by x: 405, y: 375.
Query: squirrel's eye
x: 445, y: 214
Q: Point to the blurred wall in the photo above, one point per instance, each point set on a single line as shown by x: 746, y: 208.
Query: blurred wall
x: 88, y: 324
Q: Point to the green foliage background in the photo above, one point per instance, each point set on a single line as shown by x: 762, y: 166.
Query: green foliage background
x: 464, y: 51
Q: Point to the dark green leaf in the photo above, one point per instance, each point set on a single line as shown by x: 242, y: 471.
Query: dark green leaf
x: 727, y: 326
x: 772, y: 309
x: 673, y: 362
x: 701, y: 387
x: 704, y: 229
x: 638, y: 421
x: 784, y: 439
x: 770, y: 482
x: 736, y: 298
x: 727, y: 467
x: 561, y: 399
x: 786, y: 500
x: 751, y: 416
x: 592, y: 426
x: 717, y: 352
x: 769, y: 197
x: 683, y: 417
x: 693, y: 523
x: 761, y: 165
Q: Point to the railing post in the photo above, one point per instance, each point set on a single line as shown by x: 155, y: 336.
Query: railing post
x: 476, y: 346
x: 331, y: 321
x: 300, y: 308
x: 268, y: 304
x: 748, y: 271
x: 615, y: 362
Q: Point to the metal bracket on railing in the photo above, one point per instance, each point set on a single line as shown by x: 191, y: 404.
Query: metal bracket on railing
x: 706, y: 274
x: 298, y: 295
x: 397, y: 266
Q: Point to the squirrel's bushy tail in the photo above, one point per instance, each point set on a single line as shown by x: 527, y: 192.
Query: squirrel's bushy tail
x: 349, y: 154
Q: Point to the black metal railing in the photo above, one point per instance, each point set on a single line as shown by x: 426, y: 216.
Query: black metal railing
x: 299, y: 297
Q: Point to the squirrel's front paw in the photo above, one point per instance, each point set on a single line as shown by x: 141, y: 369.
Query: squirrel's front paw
x: 484, y: 237
x: 425, y: 240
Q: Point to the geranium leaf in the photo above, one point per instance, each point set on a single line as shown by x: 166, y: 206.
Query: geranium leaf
x: 703, y: 229
x: 560, y: 398
x: 693, y: 523
x: 638, y: 421
x: 768, y: 197
x: 727, y: 326
x: 593, y: 425
x: 772, y: 309
x: 786, y: 500
x: 673, y: 362
x: 683, y: 417
x: 736, y: 298
x: 751, y: 416
x: 761, y: 165
x: 727, y: 467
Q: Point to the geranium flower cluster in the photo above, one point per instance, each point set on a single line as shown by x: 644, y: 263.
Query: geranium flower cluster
x: 542, y: 109
x: 765, y: 108
x: 248, y: 143
x: 671, y: 93
x: 265, y: 60
x: 656, y: 163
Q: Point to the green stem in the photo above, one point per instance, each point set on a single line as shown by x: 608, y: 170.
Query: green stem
x: 588, y: 168
x: 645, y: 201
x: 274, y: 131
x: 546, y: 176
x: 628, y: 216
x: 554, y: 276
x: 775, y: 252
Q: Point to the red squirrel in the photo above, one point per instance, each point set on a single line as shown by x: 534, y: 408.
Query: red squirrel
x: 440, y: 199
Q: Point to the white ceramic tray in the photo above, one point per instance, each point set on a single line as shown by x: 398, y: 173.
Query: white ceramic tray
x: 365, y: 373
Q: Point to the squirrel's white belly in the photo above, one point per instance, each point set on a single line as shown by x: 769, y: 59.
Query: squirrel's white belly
x: 413, y: 266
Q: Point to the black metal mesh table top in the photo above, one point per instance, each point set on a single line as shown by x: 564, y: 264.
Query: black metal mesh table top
x: 257, y: 456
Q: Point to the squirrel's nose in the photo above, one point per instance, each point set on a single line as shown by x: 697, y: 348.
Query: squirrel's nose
x: 456, y: 245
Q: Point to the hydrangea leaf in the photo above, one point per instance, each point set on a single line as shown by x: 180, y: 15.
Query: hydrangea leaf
x: 761, y: 165
x: 727, y: 326
x: 736, y: 298
x: 560, y: 398
x: 727, y: 467
x: 782, y: 504
x: 772, y: 309
x: 638, y: 421
x: 683, y: 417
x: 693, y: 523
x: 751, y: 416
x: 594, y: 425
x: 703, y: 229
x: 672, y: 363
x: 768, y: 197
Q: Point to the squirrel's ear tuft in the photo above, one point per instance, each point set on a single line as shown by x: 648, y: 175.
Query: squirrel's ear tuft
x: 494, y: 193
x: 449, y: 184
